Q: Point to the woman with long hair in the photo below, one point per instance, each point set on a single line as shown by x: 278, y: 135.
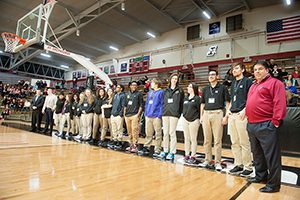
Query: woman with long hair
x: 74, y: 115
x: 98, y: 120
x: 106, y: 114
x: 79, y: 112
x: 65, y: 117
x: 191, y: 122
x: 87, y: 112
x: 173, y: 101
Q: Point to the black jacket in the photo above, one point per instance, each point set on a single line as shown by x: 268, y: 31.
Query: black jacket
x: 74, y: 111
x: 173, y: 102
x: 59, y: 105
x: 86, y: 107
x: 98, y: 104
x: 38, y: 102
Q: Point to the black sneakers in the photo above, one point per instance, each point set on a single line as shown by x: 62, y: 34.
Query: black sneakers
x: 246, y: 173
x: 236, y: 170
x: 144, y: 151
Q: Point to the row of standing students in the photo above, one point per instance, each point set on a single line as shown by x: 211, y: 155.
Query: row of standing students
x: 163, y: 108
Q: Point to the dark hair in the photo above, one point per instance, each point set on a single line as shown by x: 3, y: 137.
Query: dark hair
x: 97, y: 93
x: 263, y: 63
x: 174, y: 74
x: 213, y: 70
x: 195, y: 88
x: 241, y: 64
x: 122, y: 87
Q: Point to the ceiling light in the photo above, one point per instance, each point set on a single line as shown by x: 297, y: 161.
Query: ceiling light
x: 64, y: 66
x: 288, y: 2
x: 151, y: 34
x: 206, y: 14
x: 78, y: 32
x: 46, y: 55
x: 114, y: 48
x: 123, y: 6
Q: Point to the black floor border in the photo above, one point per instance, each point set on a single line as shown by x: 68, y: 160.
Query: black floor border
x: 236, y: 195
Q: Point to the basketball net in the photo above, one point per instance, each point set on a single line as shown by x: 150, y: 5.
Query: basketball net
x: 11, y: 40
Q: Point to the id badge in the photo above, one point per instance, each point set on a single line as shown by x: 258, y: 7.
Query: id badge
x: 170, y: 100
x: 234, y: 98
x: 85, y: 105
x: 151, y: 102
x: 130, y: 103
x: 185, y: 102
x: 211, y: 100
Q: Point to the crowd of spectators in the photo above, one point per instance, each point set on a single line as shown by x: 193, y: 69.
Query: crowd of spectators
x: 13, y: 98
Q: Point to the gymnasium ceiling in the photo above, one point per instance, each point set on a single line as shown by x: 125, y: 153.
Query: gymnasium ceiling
x: 121, y: 28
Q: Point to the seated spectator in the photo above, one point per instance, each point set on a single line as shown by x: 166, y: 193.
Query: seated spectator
x: 291, y: 94
x: 295, y: 73
x: 27, y: 105
x: 292, y: 80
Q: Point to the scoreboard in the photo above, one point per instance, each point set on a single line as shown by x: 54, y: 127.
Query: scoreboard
x: 139, y: 64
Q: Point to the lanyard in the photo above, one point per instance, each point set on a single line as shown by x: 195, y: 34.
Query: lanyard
x: 236, y: 86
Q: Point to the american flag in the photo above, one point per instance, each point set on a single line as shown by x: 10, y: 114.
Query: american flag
x: 283, y: 29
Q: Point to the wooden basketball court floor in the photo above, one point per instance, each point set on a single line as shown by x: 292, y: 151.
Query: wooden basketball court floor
x: 34, y: 166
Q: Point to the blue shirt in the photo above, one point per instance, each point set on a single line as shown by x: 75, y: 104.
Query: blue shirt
x: 154, y: 104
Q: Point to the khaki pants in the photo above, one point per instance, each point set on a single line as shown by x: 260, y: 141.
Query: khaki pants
x: 64, y: 118
x: 212, y: 126
x: 240, y: 141
x: 117, y: 127
x: 98, y: 120
x: 86, y: 124
x: 153, y: 125
x: 190, y: 131
x: 170, y: 124
x: 57, y: 119
x: 75, y: 124
x: 106, y: 125
x: 132, y: 124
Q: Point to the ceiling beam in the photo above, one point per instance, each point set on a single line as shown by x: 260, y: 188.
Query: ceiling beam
x: 166, y: 4
x: 80, y: 43
x: 187, y: 13
x: 232, y: 10
x: 204, y: 5
x: 163, y: 13
x: 119, y: 32
x: 245, y: 2
x: 137, y: 21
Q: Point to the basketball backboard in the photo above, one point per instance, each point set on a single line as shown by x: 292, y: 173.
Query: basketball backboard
x: 29, y: 27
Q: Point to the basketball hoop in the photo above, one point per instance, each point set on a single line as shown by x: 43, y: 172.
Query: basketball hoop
x: 11, y: 40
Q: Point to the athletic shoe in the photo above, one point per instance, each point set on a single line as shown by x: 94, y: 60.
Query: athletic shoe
x: 204, y: 164
x: 170, y: 156
x: 186, y: 159
x: 118, y: 146
x: 156, y: 154
x: 192, y: 160
x: 144, y: 151
x: 133, y: 149
x: 218, y: 167
x: 129, y: 148
x: 111, y: 145
x: 162, y: 155
x: 246, y: 173
x: 236, y: 170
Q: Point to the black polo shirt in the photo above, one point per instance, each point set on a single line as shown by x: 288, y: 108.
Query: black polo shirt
x: 215, y: 98
x: 134, y: 101
x: 191, y: 108
x: 239, y: 91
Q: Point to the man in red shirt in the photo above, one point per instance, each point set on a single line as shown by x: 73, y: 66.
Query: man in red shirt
x: 265, y: 109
